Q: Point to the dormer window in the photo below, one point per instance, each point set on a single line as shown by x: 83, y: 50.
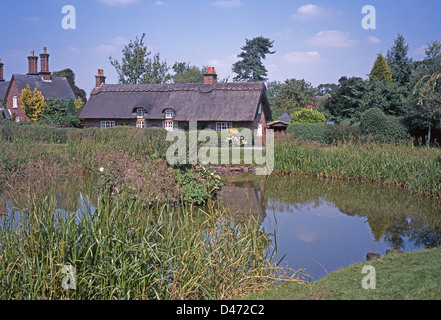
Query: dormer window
x: 169, y: 113
x: 140, y: 113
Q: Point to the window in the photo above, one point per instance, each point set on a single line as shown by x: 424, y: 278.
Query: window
x: 170, y: 125
x: 169, y: 113
x: 15, y: 102
x: 107, y: 124
x: 17, y: 119
x: 140, y: 124
x: 222, y: 126
x: 140, y: 113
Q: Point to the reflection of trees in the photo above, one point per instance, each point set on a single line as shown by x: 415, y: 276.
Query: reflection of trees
x: 392, y: 214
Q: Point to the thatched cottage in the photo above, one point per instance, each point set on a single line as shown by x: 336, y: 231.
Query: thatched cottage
x: 213, y: 105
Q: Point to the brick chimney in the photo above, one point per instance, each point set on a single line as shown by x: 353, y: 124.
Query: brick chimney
x: 210, y: 77
x: 1, y: 71
x: 100, y: 79
x: 33, y: 64
x: 44, y: 61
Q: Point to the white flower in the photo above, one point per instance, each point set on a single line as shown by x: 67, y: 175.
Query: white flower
x: 101, y: 169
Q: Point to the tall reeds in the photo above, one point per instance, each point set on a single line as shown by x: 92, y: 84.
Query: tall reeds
x: 415, y: 168
x: 123, y: 250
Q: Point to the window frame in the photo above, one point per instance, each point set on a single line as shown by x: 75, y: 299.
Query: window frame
x: 172, y: 125
x: 141, y: 124
x: 169, y: 113
x: 223, y: 126
x: 15, y: 102
x: 140, y: 113
x: 106, y: 124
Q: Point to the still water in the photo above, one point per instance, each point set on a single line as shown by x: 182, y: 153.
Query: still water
x: 323, y: 225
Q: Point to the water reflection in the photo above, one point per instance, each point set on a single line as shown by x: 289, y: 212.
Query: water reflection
x: 323, y: 225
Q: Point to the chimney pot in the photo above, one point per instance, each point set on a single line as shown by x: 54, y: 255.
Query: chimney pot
x: 44, y: 60
x: 32, y: 64
x: 100, y: 79
x: 210, y: 77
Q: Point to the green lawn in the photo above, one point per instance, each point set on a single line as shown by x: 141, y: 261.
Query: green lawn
x: 409, y: 276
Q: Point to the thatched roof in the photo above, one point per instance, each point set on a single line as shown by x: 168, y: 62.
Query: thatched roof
x: 57, y: 88
x: 191, y: 102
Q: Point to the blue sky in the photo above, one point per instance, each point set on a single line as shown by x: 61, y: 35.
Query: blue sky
x: 318, y: 41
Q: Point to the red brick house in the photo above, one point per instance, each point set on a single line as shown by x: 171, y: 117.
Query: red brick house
x: 50, y: 87
x: 213, y: 105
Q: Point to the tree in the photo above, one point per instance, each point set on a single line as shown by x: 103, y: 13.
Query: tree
x: 61, y: 113
x: 427, y: 110
x: 326, y: 88
x: 184, y: 73
x: 294, y: 94
x: 32, y: 103
x: 137, y: 66
x: 250, y: 68
x: 308, y: 116
x: 398, y: 61
x: 70, y: 76
x: 380, y: 70
x: 345, y: 101
x: 388, y: 96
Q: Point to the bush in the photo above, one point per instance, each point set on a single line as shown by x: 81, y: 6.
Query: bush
x: 377, y: 124
x: 342, y: 133
x: 373, y: 122
x: 308, y: 116
x: 309, y: 131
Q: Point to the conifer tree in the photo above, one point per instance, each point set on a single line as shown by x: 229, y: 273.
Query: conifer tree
x: 380, y: 70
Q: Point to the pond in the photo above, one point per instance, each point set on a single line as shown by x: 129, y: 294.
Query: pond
x: 323, y: 225
x: 318, y: 225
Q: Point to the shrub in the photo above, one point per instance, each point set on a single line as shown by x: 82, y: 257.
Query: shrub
x: 308, y: 116
x: 375, y: 123
x: 309, y: 131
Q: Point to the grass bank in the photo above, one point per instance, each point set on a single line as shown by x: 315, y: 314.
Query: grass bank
x: 418, y: 169
x: 409, y: 276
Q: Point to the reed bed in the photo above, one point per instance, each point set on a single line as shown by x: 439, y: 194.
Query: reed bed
x: 123, y: 250
x: 417, y: 169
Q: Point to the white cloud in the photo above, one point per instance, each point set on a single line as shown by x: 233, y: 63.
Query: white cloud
x: 159, y: 3
x: 73, y: 49
x: 332, y: 38
x: 420, y: 51
x: 117, y: 2
x: 311, y: 11
x: 118, y: 41
x: 104, y: 48
x: 226, y: 3
x: 223, y: 66
x: 303, y: 57
x: 372, y: 39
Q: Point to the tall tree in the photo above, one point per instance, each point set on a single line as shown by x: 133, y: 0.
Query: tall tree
x: 138, y: 67
x: 184, y: 73
x: 380, y: 70
x: 398, y: 61
x: 295, y: 94
x: 250, y: 66
x: 32, y: 103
